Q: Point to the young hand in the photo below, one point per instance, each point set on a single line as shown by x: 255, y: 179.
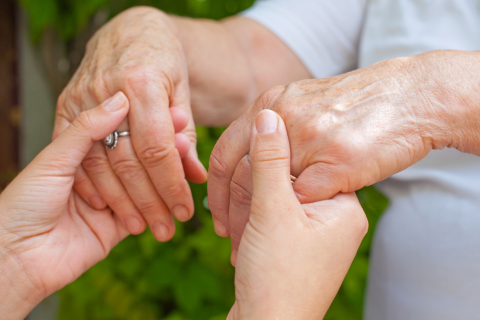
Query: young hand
x: 292, y: 257
x: 49, y: 236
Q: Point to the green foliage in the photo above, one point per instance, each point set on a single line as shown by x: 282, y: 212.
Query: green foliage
x: 68, y: 17
x: 189, y: 277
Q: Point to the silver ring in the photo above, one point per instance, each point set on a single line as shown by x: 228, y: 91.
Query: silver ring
x: 111, y: 141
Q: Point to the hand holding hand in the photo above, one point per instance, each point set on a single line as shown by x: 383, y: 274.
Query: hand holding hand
x: 49, y: 236
x: 142, y: 180
x: 292, y: 257
x: 353, y: 130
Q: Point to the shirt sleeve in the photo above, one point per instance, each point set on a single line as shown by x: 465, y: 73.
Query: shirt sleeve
x: 324, y: 34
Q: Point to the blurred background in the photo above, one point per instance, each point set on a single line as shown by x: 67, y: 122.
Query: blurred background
x: 42, y: 42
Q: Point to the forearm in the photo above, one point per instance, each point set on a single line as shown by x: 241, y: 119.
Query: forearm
x: 230, y: 63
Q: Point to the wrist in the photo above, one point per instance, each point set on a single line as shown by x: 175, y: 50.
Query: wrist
x: 220, y: 76
x: 18, y: 295
x: 280, y: 309
x: 450, y: 83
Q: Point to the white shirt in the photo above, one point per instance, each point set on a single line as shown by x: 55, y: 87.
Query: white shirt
x: 425, y: 261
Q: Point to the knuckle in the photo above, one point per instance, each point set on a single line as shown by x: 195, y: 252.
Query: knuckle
x: 61, y: 101
x: 96, y: 164
x: 239, y: 194
x: 83, y: 122
x: 273, y: 154
x: 171, y: 191
x: 138, y: 78
x: 273, y: 93
x: 149, y: 207
x: 121, y: 203
x: 128, y: 170
x: 97, y: 88
x: 217, y: 167
x: 155, y: 156
x: 267, y: 98
x: 75, y: 96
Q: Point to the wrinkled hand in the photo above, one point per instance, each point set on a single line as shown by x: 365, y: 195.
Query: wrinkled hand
x: 142, y: 178
x: 345, y: 132
x: 49, y: 236
x: 293, y: 257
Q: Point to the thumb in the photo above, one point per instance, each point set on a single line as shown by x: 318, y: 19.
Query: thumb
x: 270, y: 161
x: 66, y: 152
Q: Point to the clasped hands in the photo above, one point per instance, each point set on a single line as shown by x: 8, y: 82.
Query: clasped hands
x: 344, y: 132
x: 49, y: 235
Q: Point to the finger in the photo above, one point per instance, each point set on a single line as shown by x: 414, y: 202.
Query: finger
x: 326, y: 210
x: 320, y: 181
x: 341, y: 213
x: 194, y: 170
x: 182, y: 143
x: 232, y: 146
x: 270, y: 161
x: 82, y: 183
x: 98, y: 168
x: 86, y: 189
x: 61, y: 124
x: 241, y: 189
x: 150, y: 117
x: 179, y: 118
x: 134, y: 177
x: 71, y: 146
x: 105, y: 225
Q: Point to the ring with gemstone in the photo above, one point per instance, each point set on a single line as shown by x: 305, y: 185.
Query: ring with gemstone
x: 111, y: 141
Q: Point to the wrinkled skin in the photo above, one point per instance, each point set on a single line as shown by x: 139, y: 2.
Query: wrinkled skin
x: 138, y: 54
x: 274, y: 279
x: 350, y: 131
x: 49, y: 235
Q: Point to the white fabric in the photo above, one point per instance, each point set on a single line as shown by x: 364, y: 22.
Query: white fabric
x: 425, y: 261
x: 301, y: 23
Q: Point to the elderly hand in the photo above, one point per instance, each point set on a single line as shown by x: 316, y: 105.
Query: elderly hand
x: 353, y: 130
x: 293, y: 257
x: 142, y: 178
x: 49, y: 236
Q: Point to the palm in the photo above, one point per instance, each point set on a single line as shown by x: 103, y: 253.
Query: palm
x: 65, y: 237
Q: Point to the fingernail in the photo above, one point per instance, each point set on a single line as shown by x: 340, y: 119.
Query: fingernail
x: 160, y: 231
x: 233, y: 258
x: 266, y: 122
x: 181, y: 213
x: 219, y: 228
x: 97, y: 202
x: 114, y: 103
x: 134, y: 226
